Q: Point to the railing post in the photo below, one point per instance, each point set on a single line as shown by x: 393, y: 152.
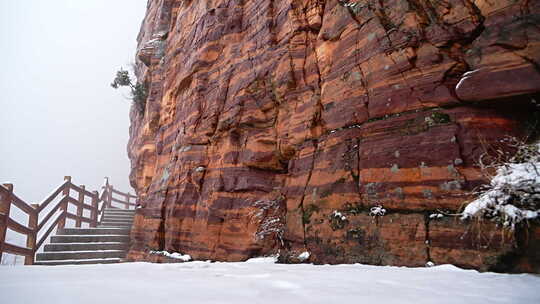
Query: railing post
x: 5, y: 206
x: 109, y: 196
x: 78, y: 221
x: 127, y: 201
x: 94, y: 212
x: 62, y: 222
x: 31, y: 239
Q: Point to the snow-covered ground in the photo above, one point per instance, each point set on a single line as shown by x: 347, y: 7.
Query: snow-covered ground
x: 260, y: 281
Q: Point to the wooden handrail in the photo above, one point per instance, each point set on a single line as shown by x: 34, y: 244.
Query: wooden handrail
x: 99, y: 202
x: 81, y: 190
x: 123, y: 193
x: 19, y: 203
x: 17, y: 227
x: 52, y: 212
x: 122, y: 202
x: 77, y: 203
x: 51, y: 228
x: 78, y: 218
x: 14, y: 249
x: 52, y: 196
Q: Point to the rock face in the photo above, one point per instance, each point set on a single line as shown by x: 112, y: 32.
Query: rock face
x: 276, y: 125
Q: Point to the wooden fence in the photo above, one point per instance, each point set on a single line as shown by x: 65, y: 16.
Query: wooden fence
x: 38, y: 221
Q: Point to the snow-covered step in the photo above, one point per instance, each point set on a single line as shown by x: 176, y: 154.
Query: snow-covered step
x: 116, y: 222
x: 129, y: 221
x: 122, y: 216
x: 119, y: 212
x: 80, y: 255
x: 115, y: 225
x: 92, y: 231
x: 85, y: 246
x: 89, y: 238
x: 78, y: 262
x: 128, y: 224
x: 118, y: 217
x: 107, y: 243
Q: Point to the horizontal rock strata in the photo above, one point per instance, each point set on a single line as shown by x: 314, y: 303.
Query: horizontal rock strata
x: 276, y: 125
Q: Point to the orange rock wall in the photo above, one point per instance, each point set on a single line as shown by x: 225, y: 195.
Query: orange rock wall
x: 266, y: 117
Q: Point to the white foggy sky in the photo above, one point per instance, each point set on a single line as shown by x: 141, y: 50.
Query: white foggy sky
x: 58, y: 114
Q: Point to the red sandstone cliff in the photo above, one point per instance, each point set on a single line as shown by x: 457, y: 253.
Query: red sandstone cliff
x: 266, y: 116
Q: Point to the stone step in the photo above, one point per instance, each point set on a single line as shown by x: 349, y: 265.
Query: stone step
x: 129, y: 215
x: 92, y: 231
x: 117, y: 220
x: 85, y: 246
x: 108, y: 243
x: 119, y: 212
x: 115, y: 225
x: 122, y: 216
x: 78, y: 262
x: 89, y: 238
x: 117, y: 217
x: 114, y: 208
x: 80, y: 255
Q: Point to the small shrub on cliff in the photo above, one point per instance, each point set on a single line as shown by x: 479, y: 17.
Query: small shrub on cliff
x: 513, y: 195
x: 138, y: 90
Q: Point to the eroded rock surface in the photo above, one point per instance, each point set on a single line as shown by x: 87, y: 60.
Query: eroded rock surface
x: 275, y: 125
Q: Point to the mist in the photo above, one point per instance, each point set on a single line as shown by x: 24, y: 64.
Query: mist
x: 59, y: 116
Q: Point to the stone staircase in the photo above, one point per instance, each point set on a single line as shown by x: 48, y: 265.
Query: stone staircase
x: 105, y: 244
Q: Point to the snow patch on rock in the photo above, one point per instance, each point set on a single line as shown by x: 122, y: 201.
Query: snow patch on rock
x: 377, y: 211
x: 339, y: 215
x: 173, y: 255
x: 304, y: 256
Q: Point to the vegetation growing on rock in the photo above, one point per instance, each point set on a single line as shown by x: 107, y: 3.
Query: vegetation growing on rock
x: 138, y: 90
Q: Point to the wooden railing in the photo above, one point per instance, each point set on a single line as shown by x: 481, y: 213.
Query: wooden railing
x: 44, y: 222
